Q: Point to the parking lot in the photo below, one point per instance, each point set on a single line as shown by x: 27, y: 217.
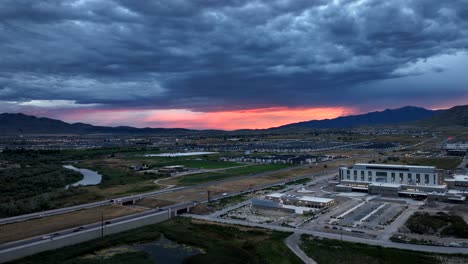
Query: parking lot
x: 369, y: 215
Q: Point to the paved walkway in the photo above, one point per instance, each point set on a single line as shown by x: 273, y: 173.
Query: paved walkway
x: 292, y: 242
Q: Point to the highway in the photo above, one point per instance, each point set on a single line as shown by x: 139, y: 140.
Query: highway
x: 35, y: 239
x: 90, y: 226
x: 297, y: 231
x: 58, y: 211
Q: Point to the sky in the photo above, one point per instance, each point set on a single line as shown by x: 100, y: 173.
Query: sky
x: 229, y: 64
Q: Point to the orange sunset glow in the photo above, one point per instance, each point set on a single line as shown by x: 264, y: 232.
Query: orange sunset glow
x: 228, y: 120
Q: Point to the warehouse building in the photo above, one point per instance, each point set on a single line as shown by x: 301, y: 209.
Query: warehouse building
x: 293, y: 203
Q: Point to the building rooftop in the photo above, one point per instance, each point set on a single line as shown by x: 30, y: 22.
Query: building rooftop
x: 315, y: 199
x: 300, y: 198
x: 275, y: 195
x: 461, y: 177
x: 393, y: 166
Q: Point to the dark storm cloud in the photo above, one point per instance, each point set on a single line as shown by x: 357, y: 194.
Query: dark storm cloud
x: 210, y: 54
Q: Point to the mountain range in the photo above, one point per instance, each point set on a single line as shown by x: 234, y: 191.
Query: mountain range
x: 386, y: 117
x: 17, y: 123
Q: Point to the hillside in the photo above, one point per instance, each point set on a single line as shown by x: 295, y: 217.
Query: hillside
x: 386, y: 117
x: 455, y: 116
x: 25, y: 124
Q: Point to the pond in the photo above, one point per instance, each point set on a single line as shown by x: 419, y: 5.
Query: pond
x: 89, y: 177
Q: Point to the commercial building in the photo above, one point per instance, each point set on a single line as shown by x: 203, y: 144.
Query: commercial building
x: 303, y: 201
x: 458, y: 182
x: 293, y: 203
x: 457, y: 149
x: 390, y: 180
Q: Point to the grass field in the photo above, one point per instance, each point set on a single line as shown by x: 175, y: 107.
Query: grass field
x: 26, y: 229
x: 440, y: 163
x: 326, y: 251
x: 220, y: 244
x: 116, y: 171
x: 249, y: 183
x: 215, y: 176
x: 193, y: 163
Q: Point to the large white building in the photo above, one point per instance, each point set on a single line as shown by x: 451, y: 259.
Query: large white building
x: 383, y: 173
x: 393, y: 180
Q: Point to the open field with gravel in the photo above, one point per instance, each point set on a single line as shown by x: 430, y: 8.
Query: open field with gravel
x: 200, y: 193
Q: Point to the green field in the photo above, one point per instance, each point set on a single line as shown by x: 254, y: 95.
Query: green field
x: 229, y: 173
x: 440, y: 163
x: 220, y: 244
x: 326, y: 251
x: 200, y: 162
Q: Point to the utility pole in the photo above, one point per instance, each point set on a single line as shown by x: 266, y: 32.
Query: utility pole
x: 102, y: 224
x: 209, y: 196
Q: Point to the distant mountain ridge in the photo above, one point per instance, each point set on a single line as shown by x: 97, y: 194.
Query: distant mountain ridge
x: 25, y: 124
x: 387, y: 117
x: 17, y: 124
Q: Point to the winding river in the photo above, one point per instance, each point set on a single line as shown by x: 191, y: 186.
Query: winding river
x: 89, y: 177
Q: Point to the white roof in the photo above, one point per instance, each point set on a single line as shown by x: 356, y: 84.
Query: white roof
x: 412, y: 192
x: 275, y: 195
x: 300, y: 209
x: 315, y: 199
x: 301, y: 198
x: 461, y: 178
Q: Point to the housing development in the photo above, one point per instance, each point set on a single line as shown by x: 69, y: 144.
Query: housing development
x: 381, y: 194
x: 233, y: 132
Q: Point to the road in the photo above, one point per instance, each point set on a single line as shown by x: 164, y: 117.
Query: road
x: 26, y: 217
x: 292, y: 242
x: 90, y: 226
x: 149, y: 212
x: 388, y: 244
x: 463, y: 164
x: 58, y: 211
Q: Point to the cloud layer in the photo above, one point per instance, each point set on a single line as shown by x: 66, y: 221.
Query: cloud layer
x: 231, y: 55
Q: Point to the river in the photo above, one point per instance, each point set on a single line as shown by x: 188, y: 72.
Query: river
x: 89, y: 177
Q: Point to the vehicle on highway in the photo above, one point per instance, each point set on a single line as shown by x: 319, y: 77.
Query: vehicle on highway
x: 56, y: 234
x: 46, y: 237
x: 78, y: 229
x: 107, y: 222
